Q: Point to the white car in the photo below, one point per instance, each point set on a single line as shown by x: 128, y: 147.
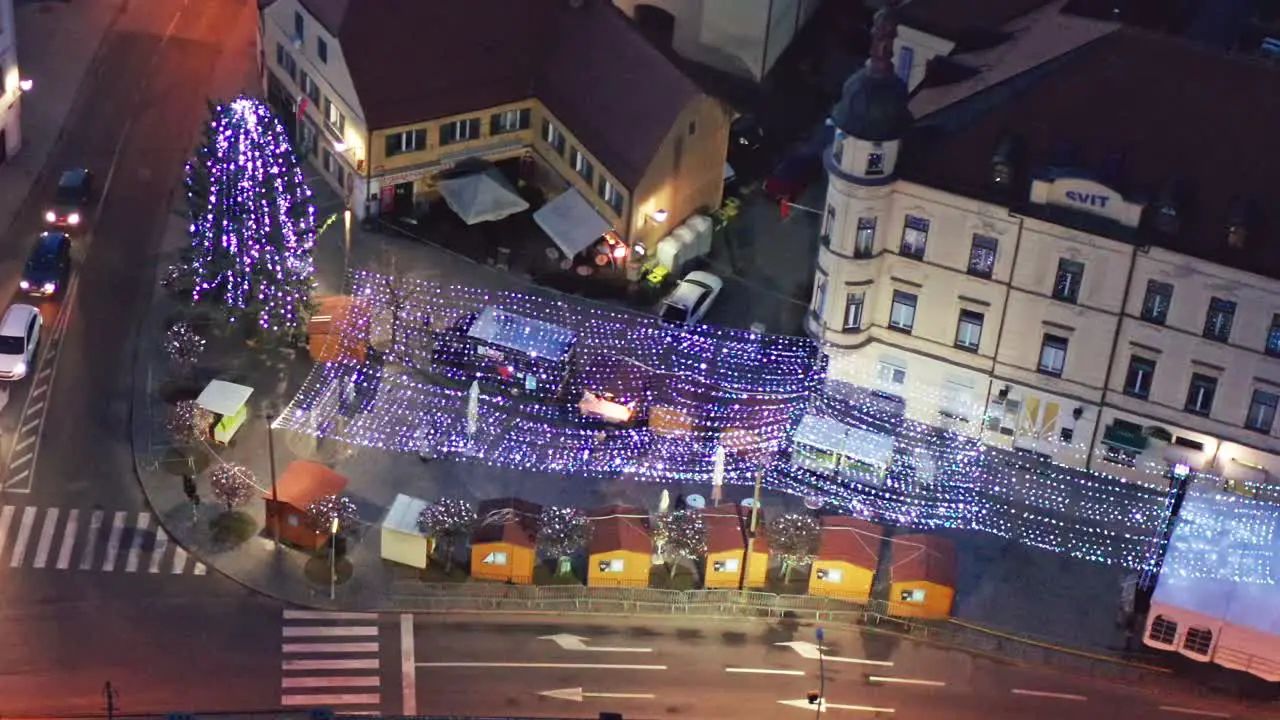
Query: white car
x: 689, y: 302
x: 19, y: 335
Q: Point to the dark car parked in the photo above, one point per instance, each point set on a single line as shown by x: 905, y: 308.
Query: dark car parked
x: 71, y: 199
x: 48, y: 267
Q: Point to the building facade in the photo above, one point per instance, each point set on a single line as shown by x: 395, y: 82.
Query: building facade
x: 1008, y: 287
x: 742, y: 37
x: 14, y: 84
x: 632, y: 136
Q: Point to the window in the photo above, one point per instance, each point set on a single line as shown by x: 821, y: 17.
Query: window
x: 309, y: 87
x: 1067, y: 435
x: 1200, y: 393
x: 611, y: 566
x: 286, y: 62
x: 1155, y: 304
x: 495, y: 558
x: 1198, y: 640
x: 406, y: 142
x: 299, y: 27
x: 828, y: 221
x: 1053, y: 355
x: 906, y: 58
x: 875, y: 163
x: 1163, y: 630
x: 326, y: 160
x: 915, y: 235
x: 891, y: 374
x: 831, y: 575
x: 1262, y: 411
x: 819, y: 294
x: 853, y: 310
x: 333, y: 117
x: 1217, y: 322
x: 982, y: 256
x: 611, y: 196
x: 969, y: 330
x: 864, y: 245
x: 1273, y: 336
x: 552, y: 136
x: 1066, y: 285
x: 903, y: 315
x: 837, y: 149
x: 1137, y: 381
x: 510, y: 121
x: 581, y: 164
x: 459, y: 131
x: 693, y: 128
x: 322, y: 50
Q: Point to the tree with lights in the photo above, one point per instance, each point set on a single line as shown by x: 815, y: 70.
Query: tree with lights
x: 794, y: 538
x: 188, y: 423
x: 681, y: 535
x: 232, y: 485
x: 184, y: 346
x: 322, y: 513
x: 562, y: 532
x: 447, y: 521
x: 253, y: 225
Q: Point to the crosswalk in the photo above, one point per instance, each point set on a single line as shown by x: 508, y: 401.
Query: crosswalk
x: 91, y: 540
x: 330, y: 659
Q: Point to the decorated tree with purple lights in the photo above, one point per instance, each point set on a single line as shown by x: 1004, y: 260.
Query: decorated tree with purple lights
x: 447, y: 521
x: 794, y: 538
x: 232, y: 485
x: 253, y: 225
x: 562, y: 532
x: 681, y: 535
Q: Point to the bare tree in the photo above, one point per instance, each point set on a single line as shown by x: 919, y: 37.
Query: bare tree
x: 562, y: 532
x: 447, y: 521
x: 794, y: 538
x: 681, y: 535
x: 232, y: 485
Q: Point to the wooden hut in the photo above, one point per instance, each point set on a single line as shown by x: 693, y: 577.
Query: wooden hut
x: 922, y: 577
x: 848, y: 554
x: 727, y: 548
x: 301, y: 484
x: 503, y: 544
x: 402, y: 541
x: 620, y: 553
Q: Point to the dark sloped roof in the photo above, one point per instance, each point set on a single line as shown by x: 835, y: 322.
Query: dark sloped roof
x: 519, y: 525
x: 923, y: 558
x: 620, y: 527
x: 724, y: 529
x: 416, y: 60
x: 1174, y: 111
x: 850, y: 540
x: 951, y: 19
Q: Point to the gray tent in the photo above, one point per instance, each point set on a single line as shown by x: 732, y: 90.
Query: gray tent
x: 481, y: 197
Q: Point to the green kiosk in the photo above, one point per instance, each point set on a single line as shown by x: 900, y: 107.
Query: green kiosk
x: 229, y: 404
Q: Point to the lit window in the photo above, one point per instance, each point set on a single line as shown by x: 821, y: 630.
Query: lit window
x: 459, y: 131
x: 1053, y: 355
x: 552, y: 136
x: 903, y: 315
x: 509, y: 121
x: 1200, y: 393
x: 495, y: 558
x: 865, y: 243
x: 1137, y: 381
x: 853, y: 311
x: 1066, y: 284
x: 1218, y: 320
x: 1155, y: 304
x: 581, y: 164
x: 982, y: 256
x: 915, y: 235
x: 969, y: 330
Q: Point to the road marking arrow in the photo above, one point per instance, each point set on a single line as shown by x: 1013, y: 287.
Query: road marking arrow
x: 578, y: 695
x: 823, y: 706
x: 904, y: 681
x: 577, y: 642
x: 814, y: 652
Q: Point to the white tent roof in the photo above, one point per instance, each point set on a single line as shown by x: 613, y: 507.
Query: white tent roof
x: 224, y: 398
x: 571, y: 222
x: 481, y: 197
x: 403, y: 515
x: 834, y: 436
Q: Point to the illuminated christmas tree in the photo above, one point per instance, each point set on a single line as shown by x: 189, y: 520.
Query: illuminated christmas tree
x: 253, y: 225
x: 562, y: 532
x: 794, y: 539
x: 681, y: 536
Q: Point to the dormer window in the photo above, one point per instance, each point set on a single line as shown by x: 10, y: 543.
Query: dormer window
x: 1238, y: 224
x: 1001, y: 173
x: 875, y: 163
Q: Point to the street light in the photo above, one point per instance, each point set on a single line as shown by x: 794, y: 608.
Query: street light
x: 346, y: 243
x: 751, y: 535
x: 822, y: 676
x: 25, y: 85
x: 333, y: 557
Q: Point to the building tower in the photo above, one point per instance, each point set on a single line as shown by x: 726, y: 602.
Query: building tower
x: 870, y: 119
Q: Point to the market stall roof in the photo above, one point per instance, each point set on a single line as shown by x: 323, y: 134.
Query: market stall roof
x: 923, y: 558
x: 305, y: 481
x: 724, y: 529
x: 515, y: 332
x: 481, y: 197
x: 850, y: 540
x: 224, y: 398
x: 507, y: 520
x: 571, y: 222
x: 834, y: 436
x: 620, y: 527
x: 403, y: 514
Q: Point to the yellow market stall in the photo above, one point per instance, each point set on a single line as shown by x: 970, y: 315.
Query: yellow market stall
x: 922, y: 577
x: 402, y: 541
x: 727, y: 548
x: 502, y: 546
x: 229, y: 403
x: 848, y: 554
x: 620, y: 553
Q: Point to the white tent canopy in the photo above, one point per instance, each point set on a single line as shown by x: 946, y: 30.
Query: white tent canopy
x: 571, y: 222
x: 481, y: 197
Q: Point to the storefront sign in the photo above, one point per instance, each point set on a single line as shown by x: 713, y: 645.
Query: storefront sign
x: 1087, y: 196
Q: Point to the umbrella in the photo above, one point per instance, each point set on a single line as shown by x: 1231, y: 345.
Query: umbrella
x: 717, y: 476
x: 664, y: 502
x: 473, y: 408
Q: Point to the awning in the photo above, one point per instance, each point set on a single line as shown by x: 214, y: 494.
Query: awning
x: 1131, y: 440
x: 481, y: 197
x: 223, y: 398
x: 571, y: 222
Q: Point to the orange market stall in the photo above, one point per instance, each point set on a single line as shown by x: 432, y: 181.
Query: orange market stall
x: 301, y: 484
x: 848, y: 554
x: 727, y: 549
x: 922, y: 577
x: 620, y: 553
x: 502, y: 546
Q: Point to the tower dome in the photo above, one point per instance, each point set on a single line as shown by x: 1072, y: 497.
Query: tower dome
x: 873, y: 103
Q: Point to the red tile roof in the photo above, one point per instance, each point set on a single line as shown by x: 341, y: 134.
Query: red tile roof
x: 507, y: 520
x: 927, y: 558
x: 1144, y: 111
x: 850, y: 540
x: 620, y: 527
x: 305, y: 481
x: 417, y: 60
x: 724, y: 529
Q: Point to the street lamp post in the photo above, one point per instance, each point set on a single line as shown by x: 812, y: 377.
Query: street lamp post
x: 346, y: 242
x: 751, y: 535
x: 333, y: 557
x: 822, y: 676
x: 275, y: 497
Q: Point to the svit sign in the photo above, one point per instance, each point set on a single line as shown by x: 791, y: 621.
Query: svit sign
x: 1086, y: 196
x: 1087, y: 199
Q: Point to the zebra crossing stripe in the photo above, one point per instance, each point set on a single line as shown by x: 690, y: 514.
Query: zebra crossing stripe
x: 91, y: 550
x: 113, y: 541
x: 179, y: 559
x: 46, y: 537
x: 24, y: 537
x: 6, y: 519
x: 157, y: 553
x: 135, y: 547
x: 68, y: 539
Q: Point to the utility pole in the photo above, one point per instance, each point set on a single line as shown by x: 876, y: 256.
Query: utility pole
x: 111, y: 696
x: 275, y: 497
x: 752, y: 528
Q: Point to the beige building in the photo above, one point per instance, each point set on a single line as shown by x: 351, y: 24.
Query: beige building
x: 12, y: 84
x: 386, y: 97
x: 1093, y: 287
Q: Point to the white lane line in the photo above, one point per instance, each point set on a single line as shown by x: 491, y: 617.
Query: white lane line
x: 22, y: 460
x: 113, y: 541
x: 24, y: 536
x: 157, y: 551
x: 6, y: 519
x: 39, y: 390
x: 179, y: 559
x: 331, y: 681
x: 40, y: 375
x: 323, y: 615
x: 1041, y: 693
x: 135, y: 547
x: 540, y: 666
x: 763, y: 671
x: 350, y: 664
x: 68, y: 539
x: 34, y: 408
x: 904, y: 681
x: 352, y: 647
x: 30, y: 439
x: 330, y: 631
x: 1193, y: 711
x: 47, y: 530
x: 12, y: 484
x: 29, y: 426
x: 91, y: 548
x: 199, y: 569
x: 408, y: 670
x: 322, y: 700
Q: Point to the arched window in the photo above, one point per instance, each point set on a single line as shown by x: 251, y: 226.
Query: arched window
x: 1163, y: 630
x: 1198, y: 641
